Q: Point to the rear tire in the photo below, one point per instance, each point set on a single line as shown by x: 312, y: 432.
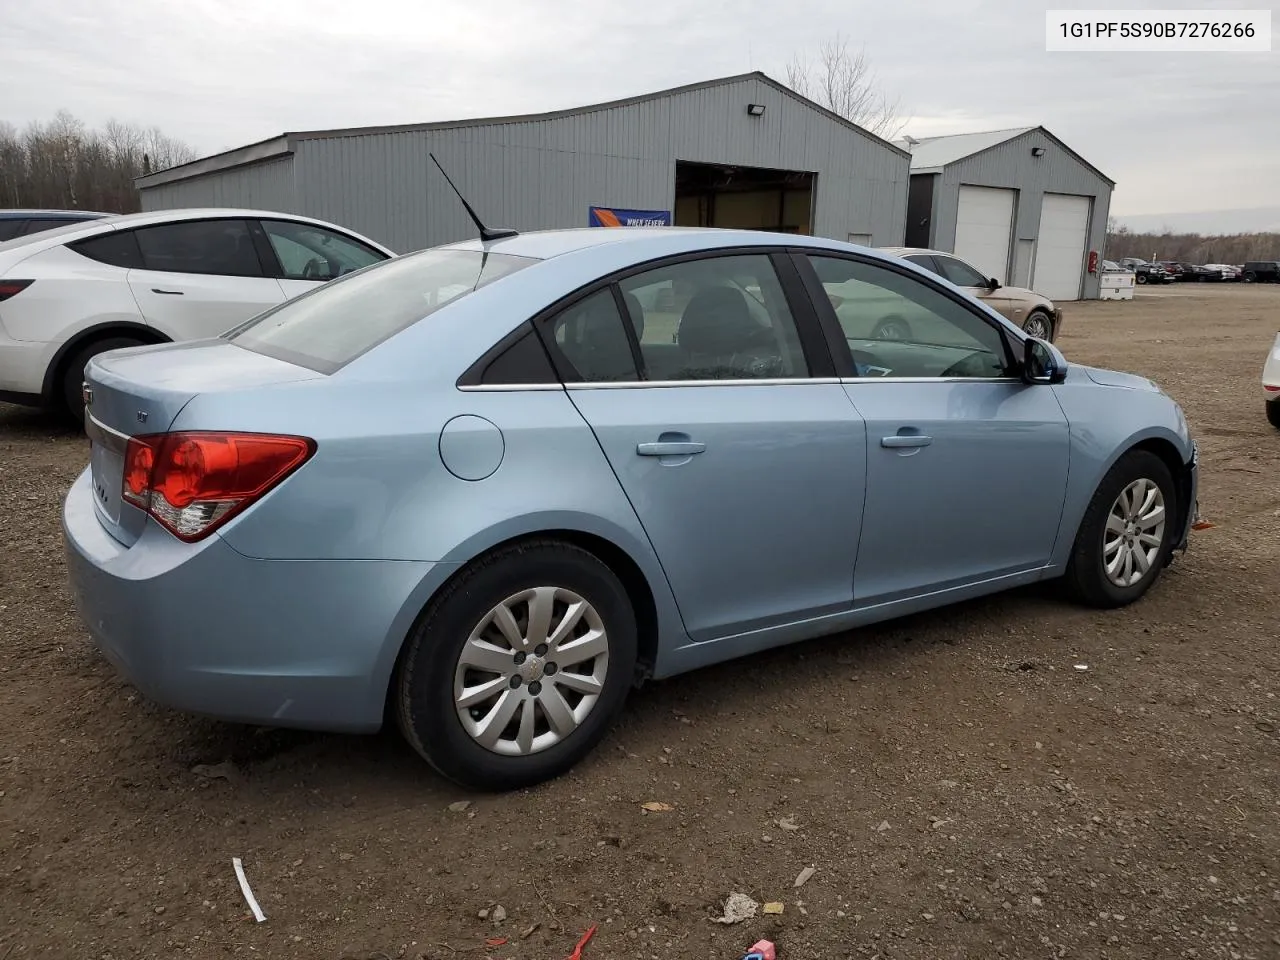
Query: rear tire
x: 1098, y: 574
x: 73, y: 377
x: 1250, y: 276
x: 459, y: 645
x: 1273, y: 413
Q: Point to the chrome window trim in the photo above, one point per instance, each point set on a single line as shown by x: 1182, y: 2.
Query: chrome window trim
x: 762, y: 382
x: 508, y: 387
x: 99, y: 433
x: 748, y: 382
x: 852, y: 380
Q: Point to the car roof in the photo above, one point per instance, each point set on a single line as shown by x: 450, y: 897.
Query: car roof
x: 25, y: 214
x: 36, y: 242
x: 903, y: 251
x: 548, y: 244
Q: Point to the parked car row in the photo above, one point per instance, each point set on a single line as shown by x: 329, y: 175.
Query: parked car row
x: 1173, y: 271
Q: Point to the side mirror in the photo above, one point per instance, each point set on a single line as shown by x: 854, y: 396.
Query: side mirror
x: 993, y: 284
x: 1042, y: 362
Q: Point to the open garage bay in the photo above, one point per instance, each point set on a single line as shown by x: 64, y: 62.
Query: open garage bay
x: 960, y: 786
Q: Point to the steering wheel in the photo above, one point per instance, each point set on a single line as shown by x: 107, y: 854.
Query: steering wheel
x: 313, y: 269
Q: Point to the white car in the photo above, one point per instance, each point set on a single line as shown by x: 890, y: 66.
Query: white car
x: 71, y: 293
x: 1271, y: 383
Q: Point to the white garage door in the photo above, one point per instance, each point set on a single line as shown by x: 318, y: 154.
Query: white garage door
x: 984, y: 223
x: 1064, y: 234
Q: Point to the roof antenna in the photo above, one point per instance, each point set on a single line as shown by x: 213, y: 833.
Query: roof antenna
x: 496, y: 233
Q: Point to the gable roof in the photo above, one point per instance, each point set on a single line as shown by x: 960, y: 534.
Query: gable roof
x: 283, y: 145
x: 932, y: 154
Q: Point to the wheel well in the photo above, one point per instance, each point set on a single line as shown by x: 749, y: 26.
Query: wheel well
x: 614, y: 557
x: 1167, y: 452
x: 67, y: 352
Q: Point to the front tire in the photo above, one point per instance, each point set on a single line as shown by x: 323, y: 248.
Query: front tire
x: 1127, y: 533
x: 1038, y: 325
x: 1273, y: 413
x: 1140, y: 277
x: 516, y: 671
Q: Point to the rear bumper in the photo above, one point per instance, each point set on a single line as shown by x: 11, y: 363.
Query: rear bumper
x: 204, y: 629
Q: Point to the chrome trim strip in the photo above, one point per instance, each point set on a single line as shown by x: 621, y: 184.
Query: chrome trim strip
x: 100, y: 433
x: 763, y: 382
x: 852, y: 380
x: 769, y: 382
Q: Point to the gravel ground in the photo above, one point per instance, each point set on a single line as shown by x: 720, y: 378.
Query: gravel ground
x: 959, y: 787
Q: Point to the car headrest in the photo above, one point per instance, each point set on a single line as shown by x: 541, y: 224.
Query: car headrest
x: 716, y: 322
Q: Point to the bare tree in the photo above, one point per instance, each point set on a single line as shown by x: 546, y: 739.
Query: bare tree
x: 63, y: 164
x: 845, y: 84
x: 1191, y: 247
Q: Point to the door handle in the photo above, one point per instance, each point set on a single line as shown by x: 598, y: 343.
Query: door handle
x: 171, y: 293
x: 905, y: 440
x: 670, y: 448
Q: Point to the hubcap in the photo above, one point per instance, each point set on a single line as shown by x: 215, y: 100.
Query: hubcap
x: 891, y: 330
x: 1036, y: 327
x: 1134, y: 533
x: 531, y: 671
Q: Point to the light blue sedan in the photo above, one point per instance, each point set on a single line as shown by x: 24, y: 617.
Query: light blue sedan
x: 490, y: 486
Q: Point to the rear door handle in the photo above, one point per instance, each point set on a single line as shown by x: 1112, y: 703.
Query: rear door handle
x: 906, y: 440
x: 670, y: 448
x: 172, y: 293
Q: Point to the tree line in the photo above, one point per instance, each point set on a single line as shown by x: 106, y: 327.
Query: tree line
x: 1191, y: 247
x: 65, y: 165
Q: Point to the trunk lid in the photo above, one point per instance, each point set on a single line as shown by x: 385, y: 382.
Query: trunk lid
x: 141, y: 390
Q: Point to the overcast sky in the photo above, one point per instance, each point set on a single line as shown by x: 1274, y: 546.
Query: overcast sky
x: 1179, y: 133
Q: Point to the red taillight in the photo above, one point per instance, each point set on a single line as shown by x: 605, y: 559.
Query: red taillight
x: 11, y: 288
x: 193, y: 483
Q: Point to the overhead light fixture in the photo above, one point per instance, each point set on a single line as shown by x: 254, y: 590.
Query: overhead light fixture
x: 1037, y: 151
x: 755, y: 109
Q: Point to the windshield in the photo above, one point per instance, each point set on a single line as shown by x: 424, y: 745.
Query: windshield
x: 335, y: 323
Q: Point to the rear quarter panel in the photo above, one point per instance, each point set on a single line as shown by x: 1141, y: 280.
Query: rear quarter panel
x: 1107, y: 422
x: 377, y: 488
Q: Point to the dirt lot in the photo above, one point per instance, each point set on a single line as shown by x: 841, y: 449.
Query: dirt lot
x: 961, y: 789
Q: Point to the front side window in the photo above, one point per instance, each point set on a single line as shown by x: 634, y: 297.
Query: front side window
x: 960, y: 273
x: 308, y: 252
x: 219, y: 247
x: 900, y: 326
x: 715, y: 318
x: 335, y: 323
x: 10, y: 229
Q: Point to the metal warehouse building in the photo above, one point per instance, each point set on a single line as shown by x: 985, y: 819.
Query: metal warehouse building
x: 741, y: 151
x: 1018, y: 204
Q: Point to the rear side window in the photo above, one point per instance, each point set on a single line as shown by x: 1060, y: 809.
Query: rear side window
x: 10, y: 229
x: 335, y: 323
x: 116, y: 249
x: 219, y: 247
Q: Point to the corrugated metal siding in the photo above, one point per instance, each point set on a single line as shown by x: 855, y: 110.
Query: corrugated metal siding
x: 266, y: 185
x: 543, y: 174
x: 1012, y: 166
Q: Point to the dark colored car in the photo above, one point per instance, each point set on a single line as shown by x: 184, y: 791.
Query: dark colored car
x: 1262, y: 271
x: 1198, y: 273
x: 1175, y: 269
x: 1151, y: 273
x: 21, y: 223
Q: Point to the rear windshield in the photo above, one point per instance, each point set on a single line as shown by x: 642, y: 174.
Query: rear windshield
x: 332, y: 325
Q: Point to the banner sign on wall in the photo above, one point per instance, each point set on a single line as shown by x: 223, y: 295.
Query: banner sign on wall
x: 618, y: 217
